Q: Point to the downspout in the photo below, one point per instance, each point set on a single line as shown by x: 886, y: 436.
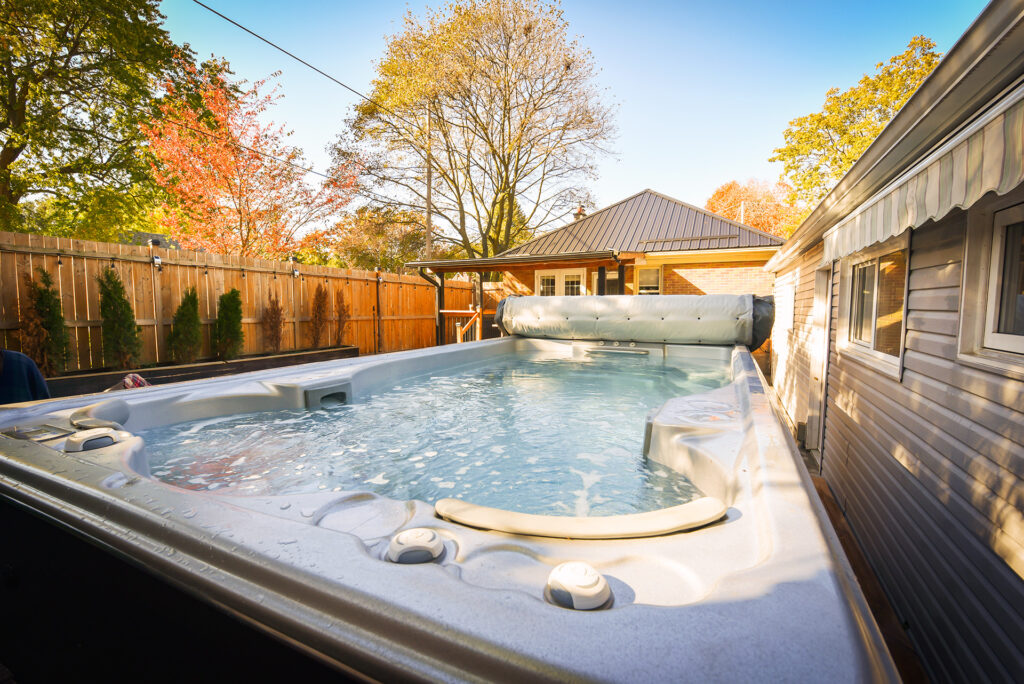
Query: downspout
x: 622, y: 274
x: 438, y: 283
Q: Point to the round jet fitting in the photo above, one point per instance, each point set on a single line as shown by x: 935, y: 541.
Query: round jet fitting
x: 578, y: 586
x: 415, y: 545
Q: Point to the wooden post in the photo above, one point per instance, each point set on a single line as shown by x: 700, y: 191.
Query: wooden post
x: 377, y: 346
x: 602, y: 276
x: 440, y: 305
x: 622, y: 279
x: 479, y: 322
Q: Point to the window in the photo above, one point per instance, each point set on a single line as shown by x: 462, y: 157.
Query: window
x: 863, y: 302
x: 876, y: 312
x: 560, y: 282
x: 873, y: 286
x: 611, y: 282
x: 1010, y: 307
x: 649, y: 281
x: 572, y: 284
x: 991, y: 334
x: 1004, y: 329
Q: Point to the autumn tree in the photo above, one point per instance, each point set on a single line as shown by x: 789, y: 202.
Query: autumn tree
x: 75, y: 78
x: 821, y: 147
x: 758, y: 204
x: 501, y: 101
x: 236, y: 187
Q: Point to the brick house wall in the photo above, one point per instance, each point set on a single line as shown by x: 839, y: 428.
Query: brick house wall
x: 743, y: 277
x: 522, y: 280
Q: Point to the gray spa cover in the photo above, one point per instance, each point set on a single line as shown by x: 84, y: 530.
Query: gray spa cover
x: 671, y: 319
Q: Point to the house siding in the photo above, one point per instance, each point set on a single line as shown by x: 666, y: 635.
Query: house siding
x: 793, y: 334
x: 927, y: 469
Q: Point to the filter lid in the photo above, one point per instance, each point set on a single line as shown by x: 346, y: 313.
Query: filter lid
x: 415, y: 545
x: 578, y: 586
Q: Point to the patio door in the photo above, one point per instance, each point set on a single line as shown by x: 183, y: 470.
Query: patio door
x: 564, y: 282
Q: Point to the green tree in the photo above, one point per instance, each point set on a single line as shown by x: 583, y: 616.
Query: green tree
x: 121, y: 342
x: 504, y: 103
x: 76, y: 79
x: 185, y: 338
x: 821, y: 147
x: 44, y: 336
x: 227, y: 329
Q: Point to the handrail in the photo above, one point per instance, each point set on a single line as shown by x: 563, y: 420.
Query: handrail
x: 461, y: 332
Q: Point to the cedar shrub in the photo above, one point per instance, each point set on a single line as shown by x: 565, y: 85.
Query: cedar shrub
x: 43, y: 335
x: 185, y: 339
x: 273, y: 322
x: 318, y: 315
x: 227, y: 329
x: 121, y: 342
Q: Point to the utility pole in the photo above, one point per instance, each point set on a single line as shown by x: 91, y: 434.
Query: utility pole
x: 430, y: 184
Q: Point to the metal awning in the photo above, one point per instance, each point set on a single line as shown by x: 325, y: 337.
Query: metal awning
x: 986, y: 156
x: 501, y: 263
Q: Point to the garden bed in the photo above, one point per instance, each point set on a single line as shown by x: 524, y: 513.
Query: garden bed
x: 86, y: 383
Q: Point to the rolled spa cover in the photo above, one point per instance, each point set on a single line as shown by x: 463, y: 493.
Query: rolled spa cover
x: 668, y: 319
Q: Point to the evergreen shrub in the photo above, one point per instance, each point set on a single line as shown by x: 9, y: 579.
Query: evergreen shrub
x: 43, y: 335
x: 122, y: 344
x: 227, y: 329
x: 185, y: 339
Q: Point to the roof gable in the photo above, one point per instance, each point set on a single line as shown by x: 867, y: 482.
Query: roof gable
x: 647, y: 222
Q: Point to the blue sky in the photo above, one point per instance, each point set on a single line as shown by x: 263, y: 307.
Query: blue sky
x: 704, y: 89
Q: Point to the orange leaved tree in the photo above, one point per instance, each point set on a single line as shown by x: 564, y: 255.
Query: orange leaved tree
x: 758, y: 204
x: 234, y: 186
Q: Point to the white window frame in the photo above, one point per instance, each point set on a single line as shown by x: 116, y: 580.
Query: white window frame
x: 993, y: 339
x: 977, y: 282
x: 857, y: 350
x: 661, y: 283
x: 868, y: 344
x: 559, y: 274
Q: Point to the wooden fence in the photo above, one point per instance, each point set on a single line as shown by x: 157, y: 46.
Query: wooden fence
x: 386, y: 311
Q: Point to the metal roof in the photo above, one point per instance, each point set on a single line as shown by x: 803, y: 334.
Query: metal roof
x: 647, y: 222
x: 500, y: 263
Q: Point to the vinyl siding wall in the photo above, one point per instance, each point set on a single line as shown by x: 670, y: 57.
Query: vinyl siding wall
x: 928, y: 470
x: 794, y: 334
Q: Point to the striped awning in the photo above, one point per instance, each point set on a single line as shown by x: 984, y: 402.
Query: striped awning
x: 988, y: 155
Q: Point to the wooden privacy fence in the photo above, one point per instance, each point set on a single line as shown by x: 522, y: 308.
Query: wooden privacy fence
x: 386, y: 311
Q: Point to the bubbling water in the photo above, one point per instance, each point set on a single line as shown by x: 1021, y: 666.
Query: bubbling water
x: 525, y: 433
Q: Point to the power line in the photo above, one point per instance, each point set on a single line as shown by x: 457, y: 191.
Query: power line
x: 229, y: 142
x: 250, y: 149
x: 304, y: 62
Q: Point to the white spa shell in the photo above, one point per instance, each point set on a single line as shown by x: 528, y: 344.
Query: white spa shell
x: 763, y: 594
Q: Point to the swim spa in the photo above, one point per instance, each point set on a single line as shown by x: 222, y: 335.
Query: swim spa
x: 755, y: 590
